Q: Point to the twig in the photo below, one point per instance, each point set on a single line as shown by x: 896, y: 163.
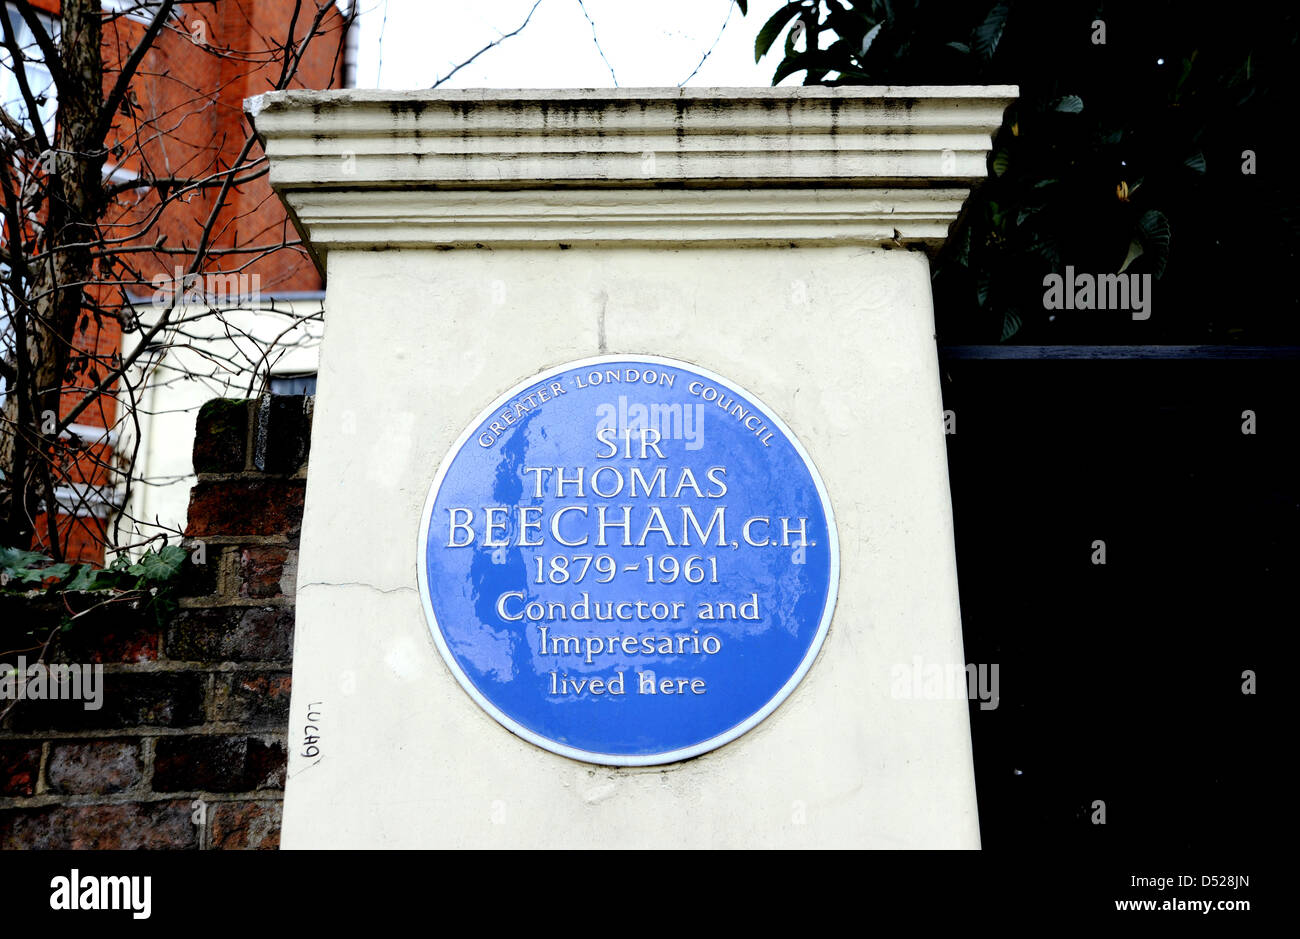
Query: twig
x: 597, y: 42
x: 491, y: 45
x: 695, y: 70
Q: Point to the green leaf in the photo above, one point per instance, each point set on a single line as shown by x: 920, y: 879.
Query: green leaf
x: 83, y: 581
x: 793, y: 35
x: 1195, y: 162
x: 174, y: 555
x: 989, y: 33
x: 1134, y: 252
x: 1011, y: 324
x: 162, y: 566
x: 795, y: 63
x: 56, y: 570
x: 1156, y: 233
x: 960, y: 47
x: 743, y: 4
x: 13, y: 560
x: 1069, y: 104
x: 772, y: 28
x: 1045, y: 247
x: 962, y: 256
x: 1000, y: 162
x: 869, y: 38
x: 997, y: 217
x: 848, y: 24
x: 89, y: 578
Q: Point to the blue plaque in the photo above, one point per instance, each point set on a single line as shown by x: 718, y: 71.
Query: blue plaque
x: 628, y: 560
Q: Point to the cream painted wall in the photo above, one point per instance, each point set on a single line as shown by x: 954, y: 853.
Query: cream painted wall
x: 838, y: 341
x: 208, y: 355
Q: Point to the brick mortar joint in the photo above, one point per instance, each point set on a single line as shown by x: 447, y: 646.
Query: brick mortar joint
x: 210, y: 729
x: 210, y: 698
x: 190, y: 667
x: 78, y: 800
x: 147, y: 753
x: 215, y: 602
x: 278, y: 539
x: 42, y: 768
x: 247, y: 475
x: 252, y: 407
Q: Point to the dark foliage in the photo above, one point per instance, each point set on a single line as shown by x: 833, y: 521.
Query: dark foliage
x: 1127, y: 150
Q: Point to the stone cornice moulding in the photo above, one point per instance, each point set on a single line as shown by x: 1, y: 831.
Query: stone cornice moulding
x: 863, y: 165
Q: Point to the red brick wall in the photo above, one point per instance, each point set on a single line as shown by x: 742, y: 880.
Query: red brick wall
x: 197, y: 91
x: 188, y: 749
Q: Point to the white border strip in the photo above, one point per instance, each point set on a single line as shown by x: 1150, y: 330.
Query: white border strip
x: 618, y: 759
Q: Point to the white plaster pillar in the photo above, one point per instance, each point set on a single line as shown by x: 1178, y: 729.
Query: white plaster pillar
x: 777, y: 237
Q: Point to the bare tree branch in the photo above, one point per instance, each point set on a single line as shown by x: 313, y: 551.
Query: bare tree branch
x: 20, y: 76
x: 491, y: 45
x: 115, y: 97
x: 43, y: 41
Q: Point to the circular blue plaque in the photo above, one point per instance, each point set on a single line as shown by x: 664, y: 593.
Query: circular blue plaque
x: 628, y: 560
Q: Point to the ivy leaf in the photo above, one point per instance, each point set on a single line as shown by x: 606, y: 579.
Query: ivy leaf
x: 772, y: 28
x: 1069, y: 104
x: 167, y: 563
x: 1000, y: 162
x: 1195, y: 162
x: 162, y: 566
x: 174, y: 555
x: 20, y: 565
x: 989, y: 33
x: 83, y: 581
x: 59, y: 571
x: 11, y: 558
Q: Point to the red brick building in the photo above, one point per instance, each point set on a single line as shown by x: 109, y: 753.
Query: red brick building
x: 183, y: 119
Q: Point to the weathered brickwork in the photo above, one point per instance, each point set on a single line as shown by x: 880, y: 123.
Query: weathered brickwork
x: 188, y: 747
